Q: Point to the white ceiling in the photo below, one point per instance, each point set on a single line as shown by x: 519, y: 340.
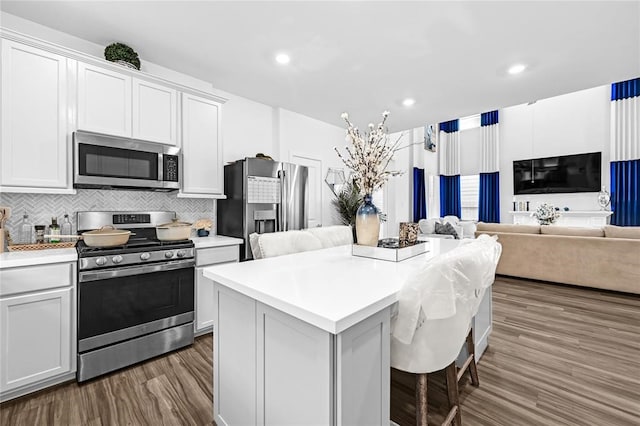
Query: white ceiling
x: 365, y: 57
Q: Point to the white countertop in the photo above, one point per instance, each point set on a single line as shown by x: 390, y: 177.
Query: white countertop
x: 328, y: 288
x: 216, y: 241
x: 37, y: 257
x: 42, y: 257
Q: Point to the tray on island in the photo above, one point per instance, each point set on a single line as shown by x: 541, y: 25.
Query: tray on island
x: 390, y: 249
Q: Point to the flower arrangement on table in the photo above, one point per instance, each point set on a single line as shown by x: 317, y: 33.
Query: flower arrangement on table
x: 369, y: 155
x: 546, y: 214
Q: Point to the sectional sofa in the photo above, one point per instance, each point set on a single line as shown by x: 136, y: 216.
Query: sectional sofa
x: 606, y: 258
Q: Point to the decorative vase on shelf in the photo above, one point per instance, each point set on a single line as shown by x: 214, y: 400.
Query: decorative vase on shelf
x: 604, y: 198
x: 367, y: 223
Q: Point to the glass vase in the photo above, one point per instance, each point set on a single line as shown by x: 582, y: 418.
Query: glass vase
x: 367, y: 223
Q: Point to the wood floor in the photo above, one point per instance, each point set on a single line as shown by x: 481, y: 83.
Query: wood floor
x: 557, y: 356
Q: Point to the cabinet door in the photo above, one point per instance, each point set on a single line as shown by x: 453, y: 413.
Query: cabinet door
x: 483, y: 323
x: 104, y: 101
x: 154, y: 112
x: 204, y: 301
x: 34, y: 117
x: 234, y: 361
x: 204, y: 286
x: 36, y: 337
x: 201, y: 146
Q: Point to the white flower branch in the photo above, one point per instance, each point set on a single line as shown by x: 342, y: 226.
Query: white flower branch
x: 369, y: 154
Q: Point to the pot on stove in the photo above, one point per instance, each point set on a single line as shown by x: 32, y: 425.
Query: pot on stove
x: 107, y: 236
x: 173, y: 231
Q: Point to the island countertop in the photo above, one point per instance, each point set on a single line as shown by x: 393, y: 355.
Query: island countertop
x: 328, y: 288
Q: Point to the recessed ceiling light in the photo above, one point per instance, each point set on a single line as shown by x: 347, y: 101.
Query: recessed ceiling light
x: 408, y: 102
x: 516, y: 69
x: 282, y: 58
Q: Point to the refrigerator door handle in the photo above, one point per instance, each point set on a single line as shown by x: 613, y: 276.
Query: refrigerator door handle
x: 284, y: 199
x: 279, y: 206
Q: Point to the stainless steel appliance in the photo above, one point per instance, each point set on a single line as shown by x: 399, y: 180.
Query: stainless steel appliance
x: 262, y: 196
x: 102, y: 161
x: 134, y: 301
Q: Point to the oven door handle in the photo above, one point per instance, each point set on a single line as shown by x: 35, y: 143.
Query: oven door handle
x: 135, y: 270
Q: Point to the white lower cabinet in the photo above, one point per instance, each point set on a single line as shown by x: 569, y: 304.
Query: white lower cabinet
x: 204, y: 287
x: 37, y: 328
x: 483, y: 323
x: 271, y: 368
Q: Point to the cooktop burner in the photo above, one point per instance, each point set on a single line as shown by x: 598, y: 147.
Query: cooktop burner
x: 143, y: 246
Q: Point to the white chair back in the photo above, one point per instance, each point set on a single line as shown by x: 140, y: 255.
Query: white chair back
x: 333, y: 236
x: 436, y: 304
x: 280, y: 243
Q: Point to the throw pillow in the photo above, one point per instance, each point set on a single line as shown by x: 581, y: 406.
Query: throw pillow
x: 427, y: 226
x: 446, y: 229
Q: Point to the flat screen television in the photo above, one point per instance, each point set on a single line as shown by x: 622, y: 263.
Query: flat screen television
x: 564, y: 174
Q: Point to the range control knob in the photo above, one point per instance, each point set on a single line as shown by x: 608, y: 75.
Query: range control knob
x: 145, y: 256
x: 116, y: 259
x: 168, y: 254
x: 101, y: 261
x: 180, y: 253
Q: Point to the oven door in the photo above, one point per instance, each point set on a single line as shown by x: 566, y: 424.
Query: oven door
x: 119, y: 304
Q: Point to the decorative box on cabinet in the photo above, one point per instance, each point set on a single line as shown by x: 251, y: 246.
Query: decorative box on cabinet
x: 204, y: 286
x: 35, y: 101
x: 117, y: 104
x: 37, y: 328
x: 201, y: 147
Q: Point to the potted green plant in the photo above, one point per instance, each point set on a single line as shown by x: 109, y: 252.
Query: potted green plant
x: 346, y: 205
x: 122, y: 54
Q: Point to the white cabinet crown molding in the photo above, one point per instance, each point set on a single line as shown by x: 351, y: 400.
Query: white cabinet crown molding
x: 93, y: 60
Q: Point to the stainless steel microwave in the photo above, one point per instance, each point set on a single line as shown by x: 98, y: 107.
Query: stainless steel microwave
x: 102, y: 161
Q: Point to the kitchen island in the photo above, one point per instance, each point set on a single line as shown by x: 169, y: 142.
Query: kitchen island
x: 304, y: 338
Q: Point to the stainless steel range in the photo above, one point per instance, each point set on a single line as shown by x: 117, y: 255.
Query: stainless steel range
x: 134, y: 301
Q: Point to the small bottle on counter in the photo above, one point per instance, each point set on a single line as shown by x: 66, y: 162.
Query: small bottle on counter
x: 26, y: 231
x: 40, y: 233
x: 54, y: 231
x: 65, y: 228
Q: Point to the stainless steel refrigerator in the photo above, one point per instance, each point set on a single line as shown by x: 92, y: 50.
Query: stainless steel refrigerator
x: 262, y: 196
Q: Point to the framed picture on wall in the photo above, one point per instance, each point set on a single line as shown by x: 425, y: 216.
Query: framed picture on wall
x: 430, y: 137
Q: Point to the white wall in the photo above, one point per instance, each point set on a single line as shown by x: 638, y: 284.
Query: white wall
x: 399, y: 189
x: 575, y: 123
x: 248, y: 127
x: 303, y: 136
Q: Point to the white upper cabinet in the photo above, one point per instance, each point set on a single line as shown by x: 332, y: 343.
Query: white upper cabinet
x: 34, y: 120
x: 201, y: 147
x: 117, y: 104
x: 104, y: 101
x: 155, y: 112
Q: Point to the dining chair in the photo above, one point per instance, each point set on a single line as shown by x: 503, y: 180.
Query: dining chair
x: 280, y: 243
x: 333, y: 236
x: 433, y: 321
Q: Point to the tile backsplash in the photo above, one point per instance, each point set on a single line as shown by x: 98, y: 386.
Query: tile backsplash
x: 42, y: 207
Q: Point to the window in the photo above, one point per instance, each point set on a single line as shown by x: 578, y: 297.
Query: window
x: 469, y: 196
x: 470, y: 122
